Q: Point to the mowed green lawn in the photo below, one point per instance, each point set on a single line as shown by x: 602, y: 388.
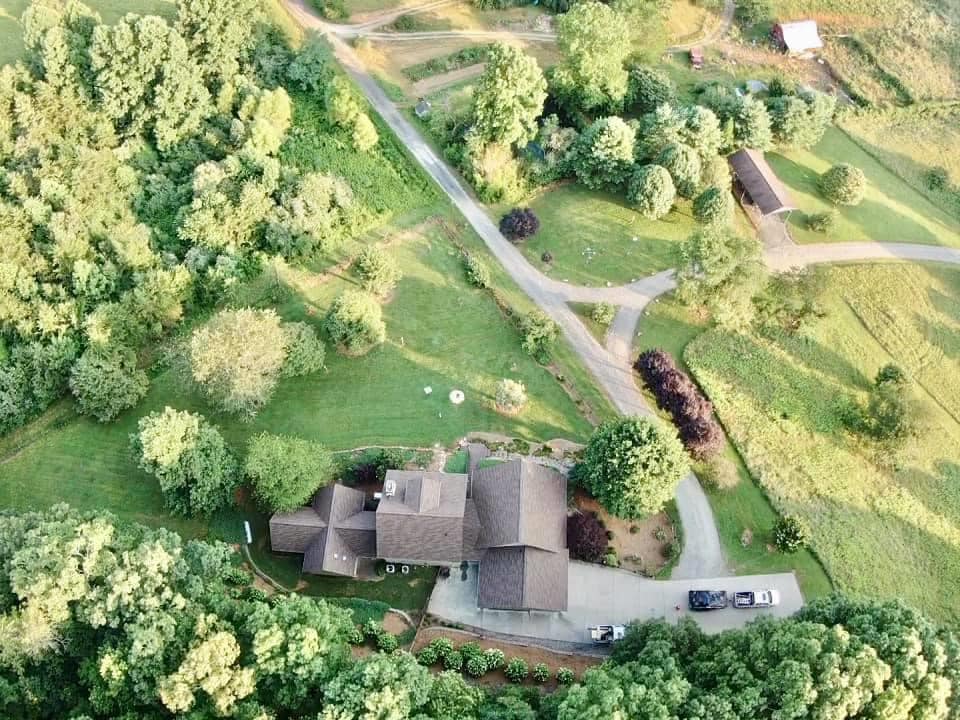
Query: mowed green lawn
x: 595, y: 237
x: 671, y: 326
x: 888, y: 530
x: 892, y: 211
x: 442, y: 334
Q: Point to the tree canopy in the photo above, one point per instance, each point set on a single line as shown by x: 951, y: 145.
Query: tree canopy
x: 508, y: 97
x: 143, y: 178
x: 284, y: 472
x: 594, y: 46
x: 632, y: 466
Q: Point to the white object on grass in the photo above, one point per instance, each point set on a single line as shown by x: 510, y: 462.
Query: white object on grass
x: 457, y: 396
x: 246, y: 527
x: 427, y: 390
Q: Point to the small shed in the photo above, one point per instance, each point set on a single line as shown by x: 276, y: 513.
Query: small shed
x: 696, y: 58
x: 422, y: 108
x: 797, y: 38
x: 756, y: 184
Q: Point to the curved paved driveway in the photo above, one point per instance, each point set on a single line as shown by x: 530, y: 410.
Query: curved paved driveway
x: 702, y: 554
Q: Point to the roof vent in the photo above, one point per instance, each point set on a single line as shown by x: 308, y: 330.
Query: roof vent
x: 390, y: 488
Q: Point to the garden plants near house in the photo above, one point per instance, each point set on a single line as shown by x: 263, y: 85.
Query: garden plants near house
x: 516, y: 670
x: 586, y: 537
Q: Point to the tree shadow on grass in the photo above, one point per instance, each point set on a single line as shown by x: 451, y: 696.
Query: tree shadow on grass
x: 785, y: 391
x: 875, y: 552
x: 817, y: 356
x: 877, y: 221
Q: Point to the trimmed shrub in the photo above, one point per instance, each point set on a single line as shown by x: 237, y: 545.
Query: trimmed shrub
x: 476, y: 666
x: 356, y: 636
x: 565, y: 676
x: 586, y: 537
x: 843, y: 184
x: 372, y: 628
x: 546, y: 257
x: 387, y: 642
x: 789, y: 534
x: 510, y: 395
x: 470, y: 649
x: 428, y: 656
x: 692, y: 413
x: 519, y: 224
x: 822, y: 222
x: 495, y: 658
x: 603, y: 313
x: 453, y: 660
x: 541, y: 672
x: 442, y: 647
x: 516, y: 670
x: 478, y: 274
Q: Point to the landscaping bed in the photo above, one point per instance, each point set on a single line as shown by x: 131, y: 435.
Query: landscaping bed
x: 641, y: 546
x: 529, y: 653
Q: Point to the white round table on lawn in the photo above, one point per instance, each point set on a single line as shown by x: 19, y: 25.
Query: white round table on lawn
x: 457, y: 396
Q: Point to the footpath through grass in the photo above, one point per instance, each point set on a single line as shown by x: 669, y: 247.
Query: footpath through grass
x: 892, y: 211
x: 672, y: 326
x: 881, y: 529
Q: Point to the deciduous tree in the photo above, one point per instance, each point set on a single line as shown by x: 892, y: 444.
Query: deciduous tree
x: 236, y: 358
x: 189, y: 457
x: 284, y: 472
x: 106, y: 381
x: 604, y: 153
x: 591, y: 75
x: 632, y: 466
x: 355, y: 322
x: 651, y: 191
x: 844, y: 184
x: 508, y: 97
x: 723, y: 271
x: 379, y: 272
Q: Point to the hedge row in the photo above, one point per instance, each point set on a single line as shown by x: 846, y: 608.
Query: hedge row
x: 678, y: 394
x: 477, y: 662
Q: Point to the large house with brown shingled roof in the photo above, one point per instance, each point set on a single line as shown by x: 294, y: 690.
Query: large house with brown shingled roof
x: 510, y: 517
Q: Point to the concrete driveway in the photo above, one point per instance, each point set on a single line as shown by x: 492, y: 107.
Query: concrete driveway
x: 608, y: 595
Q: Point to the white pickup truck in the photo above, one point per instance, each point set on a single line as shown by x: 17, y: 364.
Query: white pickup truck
x: 756, y: 599
x: 606, y: 634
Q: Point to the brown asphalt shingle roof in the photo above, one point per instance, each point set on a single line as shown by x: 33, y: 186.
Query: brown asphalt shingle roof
x: 523, y: 578
x: 331, y: 534
x: 760, y: 182
x: 422, y: 522
x: 521, y: 503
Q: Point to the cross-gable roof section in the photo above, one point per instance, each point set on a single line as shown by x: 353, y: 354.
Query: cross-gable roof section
x: 433, y: 494
x: 523, y: 578
x: 332, y: 533
x: 422, y: 519
x: 520, y: 503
